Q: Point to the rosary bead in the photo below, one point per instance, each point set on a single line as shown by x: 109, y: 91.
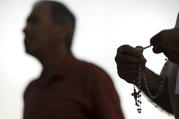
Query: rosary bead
x: 137, y: 95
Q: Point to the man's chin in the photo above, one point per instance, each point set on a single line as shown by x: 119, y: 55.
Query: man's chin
x: 29, y: 51
x: 33, y: 53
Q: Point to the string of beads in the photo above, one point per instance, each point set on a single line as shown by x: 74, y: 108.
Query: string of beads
x: 147, y: 88
x: 137, y: 93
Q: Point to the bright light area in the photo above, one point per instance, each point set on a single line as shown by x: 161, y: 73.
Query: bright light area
x: 102, y: 26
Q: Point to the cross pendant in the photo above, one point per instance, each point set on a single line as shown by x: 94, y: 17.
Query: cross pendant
x: 137, y: 96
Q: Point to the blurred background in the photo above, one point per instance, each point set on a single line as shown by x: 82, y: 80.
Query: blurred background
x: 102, y: 26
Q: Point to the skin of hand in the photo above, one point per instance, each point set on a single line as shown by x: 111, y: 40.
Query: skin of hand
x: 127, y: 60
x: 167, y: 41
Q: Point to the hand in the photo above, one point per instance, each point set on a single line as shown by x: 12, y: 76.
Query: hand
x: 128, y: 59
x: 167, y: 41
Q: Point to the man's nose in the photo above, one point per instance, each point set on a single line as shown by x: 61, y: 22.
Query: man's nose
x: 26, y: 29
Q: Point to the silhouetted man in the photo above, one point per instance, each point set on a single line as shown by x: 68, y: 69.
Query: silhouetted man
x: 67, y: 88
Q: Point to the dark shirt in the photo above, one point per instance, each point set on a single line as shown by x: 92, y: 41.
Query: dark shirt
x: 79, y: 90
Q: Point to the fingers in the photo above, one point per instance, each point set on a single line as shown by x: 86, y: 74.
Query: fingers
x: 127, y: 54
x: 156, y: 42
x: 129, y: 76
x: 128, y: 60
x: 127, y: 67
x: 160, y: 41
x: 126, y: 49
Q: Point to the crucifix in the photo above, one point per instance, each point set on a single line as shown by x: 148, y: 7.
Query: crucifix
x: 137, y: 97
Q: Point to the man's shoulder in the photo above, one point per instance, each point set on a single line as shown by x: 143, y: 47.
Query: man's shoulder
x: 87, y: 65
x: 90, y: 68
x: 96, y: 74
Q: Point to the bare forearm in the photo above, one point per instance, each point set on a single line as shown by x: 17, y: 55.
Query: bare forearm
x: 154, y: 82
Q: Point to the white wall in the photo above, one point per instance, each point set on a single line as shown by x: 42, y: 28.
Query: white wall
x: 102, y: 26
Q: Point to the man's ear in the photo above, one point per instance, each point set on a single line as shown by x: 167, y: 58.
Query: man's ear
x: 62, y: 30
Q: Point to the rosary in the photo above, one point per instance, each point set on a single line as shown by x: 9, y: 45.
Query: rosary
x: 142, y: 77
